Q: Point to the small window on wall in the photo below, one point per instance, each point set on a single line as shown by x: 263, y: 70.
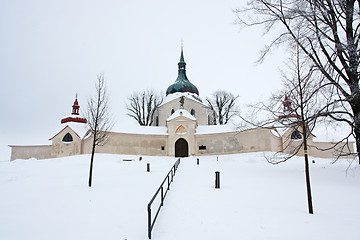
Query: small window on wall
x: 157, y: 121
x: 209, y: 122
x: 192, y: 112
x: 172, y: 111
x: 163, y: 148
x: 202, y: 147
x: 67, y: 138
x: 296, y: 135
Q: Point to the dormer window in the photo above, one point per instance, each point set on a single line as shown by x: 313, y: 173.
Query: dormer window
x: 67, y: 138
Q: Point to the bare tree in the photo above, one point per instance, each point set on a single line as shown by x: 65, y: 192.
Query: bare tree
x: 302, y: 88
x: 223, y: 106
x: 98, y: 118
x: 142, y: 106
x: 296, y: 113
x: 327, y: 32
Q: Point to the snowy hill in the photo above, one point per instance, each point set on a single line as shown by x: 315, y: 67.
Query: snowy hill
x: 49, y: 199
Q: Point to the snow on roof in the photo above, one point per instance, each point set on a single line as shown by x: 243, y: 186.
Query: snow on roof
x: 176, y: 95
x: 279, y: 131
x: 334, y: 133
x: 137, y: 129
x: 79, y: 128
x: 213, y: 129
x: 181, y: 112
x: 43, y: 144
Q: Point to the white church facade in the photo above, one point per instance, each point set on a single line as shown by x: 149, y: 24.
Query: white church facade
x: 183, y: 126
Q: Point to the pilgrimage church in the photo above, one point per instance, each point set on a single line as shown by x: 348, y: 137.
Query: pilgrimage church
x: 183, y: 127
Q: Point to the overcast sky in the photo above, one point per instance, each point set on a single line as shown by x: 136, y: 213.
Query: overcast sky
x: 53, y: 49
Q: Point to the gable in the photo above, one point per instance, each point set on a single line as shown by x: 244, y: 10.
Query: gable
x: 173, y: 99
x: 181, y: 115
x: 64, y: 131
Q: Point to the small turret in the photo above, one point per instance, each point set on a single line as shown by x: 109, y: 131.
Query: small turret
x: 288, y: 111
x: 75, y: 116
x: 287, y: 104
x: 75, y: 107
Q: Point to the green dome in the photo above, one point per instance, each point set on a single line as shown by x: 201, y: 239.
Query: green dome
x: 182, y: 83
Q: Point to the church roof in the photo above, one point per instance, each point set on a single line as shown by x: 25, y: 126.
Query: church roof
x: 182, y: 83
x: 181, y: 112
x: 175, y: 96
x: 80, y: 129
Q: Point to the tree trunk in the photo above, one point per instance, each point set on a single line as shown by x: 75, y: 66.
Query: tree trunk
x: 92, y: 162
x: 308, y: 186
x: 306, y: 158
x: 355, y: 107
x: 305, y: 135
x: 357, y: 136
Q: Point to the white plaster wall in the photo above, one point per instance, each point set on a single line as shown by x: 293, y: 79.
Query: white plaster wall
x: 132, y: 144
x: 201, y: 112
x: 26, y: 152
x: 333, y: 152
x: 237, y: 142
x: 138, y: 144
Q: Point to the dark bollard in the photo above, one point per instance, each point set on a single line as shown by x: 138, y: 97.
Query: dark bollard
x: 217, y: 179
x: 148, y: 167
x: 197, y: 161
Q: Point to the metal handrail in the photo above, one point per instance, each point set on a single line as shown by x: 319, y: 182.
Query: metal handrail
x: 169, y: 179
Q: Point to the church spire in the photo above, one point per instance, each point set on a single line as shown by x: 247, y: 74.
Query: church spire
x: 182, y: 63
x: 182, y: 83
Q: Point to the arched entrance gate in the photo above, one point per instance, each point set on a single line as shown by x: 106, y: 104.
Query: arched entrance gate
x: 181, y: 148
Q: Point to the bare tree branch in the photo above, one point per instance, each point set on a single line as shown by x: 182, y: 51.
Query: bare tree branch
x: 142, y: 106
x: 223, y: 106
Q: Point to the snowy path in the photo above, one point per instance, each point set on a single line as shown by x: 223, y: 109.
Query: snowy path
x: 256, y: 201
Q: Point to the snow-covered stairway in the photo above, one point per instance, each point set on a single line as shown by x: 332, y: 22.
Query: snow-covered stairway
x: 160, y: 194
x: 195, y: 209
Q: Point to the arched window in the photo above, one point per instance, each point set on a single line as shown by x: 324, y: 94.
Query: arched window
x: 67, y: 138
x: 172, y: 111
x: 296, y: 135
x: 192, y: 112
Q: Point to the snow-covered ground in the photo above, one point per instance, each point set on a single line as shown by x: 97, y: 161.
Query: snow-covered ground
x: 50, y: 199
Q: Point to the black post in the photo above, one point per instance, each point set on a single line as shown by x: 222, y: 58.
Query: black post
x: 168, y: 178
x: 149, y: 222
x: 197, y: 161
x: 162, y: 196
x: 217, y: 179
x: 148, y: 167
